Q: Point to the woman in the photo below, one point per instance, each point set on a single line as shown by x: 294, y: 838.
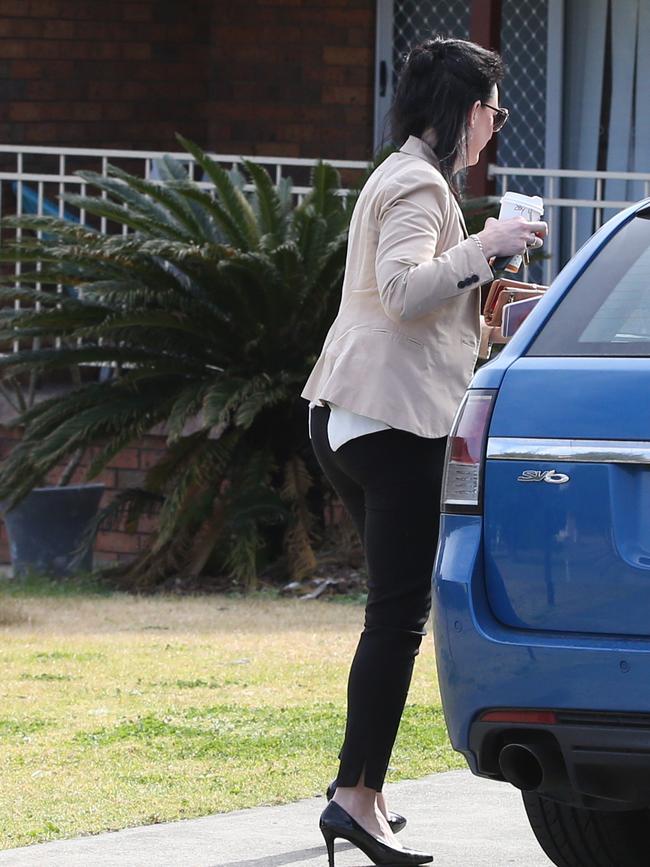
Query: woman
x: 383, y: 394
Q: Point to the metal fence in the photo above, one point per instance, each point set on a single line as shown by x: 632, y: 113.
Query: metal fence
x: 33, y: 178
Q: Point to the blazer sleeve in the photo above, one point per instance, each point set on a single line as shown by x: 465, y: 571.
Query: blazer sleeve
x: 412, y: 280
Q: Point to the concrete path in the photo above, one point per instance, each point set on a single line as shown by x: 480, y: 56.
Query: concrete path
x: 464, y: 821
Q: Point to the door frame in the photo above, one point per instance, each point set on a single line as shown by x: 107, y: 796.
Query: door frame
x: 383, y: 71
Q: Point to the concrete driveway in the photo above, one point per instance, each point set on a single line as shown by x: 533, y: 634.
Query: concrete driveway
x: 464, y: 821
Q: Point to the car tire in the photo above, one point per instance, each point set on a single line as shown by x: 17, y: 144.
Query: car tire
x: 577, y: 837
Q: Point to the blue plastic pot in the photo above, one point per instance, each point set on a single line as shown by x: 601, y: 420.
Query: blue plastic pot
x: 46, y: 528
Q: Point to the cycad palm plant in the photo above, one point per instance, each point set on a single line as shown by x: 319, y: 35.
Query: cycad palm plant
x: 210, y: 311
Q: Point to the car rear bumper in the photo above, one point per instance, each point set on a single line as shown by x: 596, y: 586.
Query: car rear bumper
x: 483, y: 664
x: 588, y: 759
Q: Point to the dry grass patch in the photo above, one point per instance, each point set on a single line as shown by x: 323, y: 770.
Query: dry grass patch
x: 120, y: 710
x: 12, y: 612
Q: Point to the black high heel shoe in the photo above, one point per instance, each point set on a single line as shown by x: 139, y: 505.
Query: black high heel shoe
x: 397, y: 823
x: 335, y: 822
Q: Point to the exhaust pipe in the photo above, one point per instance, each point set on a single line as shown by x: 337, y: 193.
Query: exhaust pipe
x: 530, y: 767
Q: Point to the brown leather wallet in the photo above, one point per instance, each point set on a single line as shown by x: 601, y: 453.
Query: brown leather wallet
x: 504, y: 291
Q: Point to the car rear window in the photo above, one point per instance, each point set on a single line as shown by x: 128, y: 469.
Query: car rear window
x: 607, y: 311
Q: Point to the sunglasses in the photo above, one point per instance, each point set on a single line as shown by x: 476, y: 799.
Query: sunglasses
x: 502, y: 115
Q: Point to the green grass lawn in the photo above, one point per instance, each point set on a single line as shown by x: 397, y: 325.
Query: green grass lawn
x: 119, y: 710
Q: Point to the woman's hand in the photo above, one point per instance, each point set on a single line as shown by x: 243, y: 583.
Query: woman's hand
x: 507, y: 237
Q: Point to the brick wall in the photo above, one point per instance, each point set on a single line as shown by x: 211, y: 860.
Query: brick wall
x: 124, y: 73
x: 125, y: 470
x: 274, y: 77
x: 294, y: 78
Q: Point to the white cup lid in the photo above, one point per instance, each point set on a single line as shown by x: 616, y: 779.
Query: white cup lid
x: 536, y: 203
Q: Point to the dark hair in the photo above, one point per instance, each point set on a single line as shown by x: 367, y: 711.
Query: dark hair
x: 440, y: 81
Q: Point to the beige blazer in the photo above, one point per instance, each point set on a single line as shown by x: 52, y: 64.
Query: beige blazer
x: 403, y: 346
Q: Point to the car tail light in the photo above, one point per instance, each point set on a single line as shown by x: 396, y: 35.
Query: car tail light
x: 462, y: 481
x: 509, y: 715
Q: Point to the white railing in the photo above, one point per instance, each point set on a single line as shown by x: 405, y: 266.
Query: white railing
x: 571, y: 220
x: 32, y: 179
x: 47, y: 173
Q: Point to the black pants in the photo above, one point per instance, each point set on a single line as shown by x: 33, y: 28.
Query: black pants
x: 390, y: 482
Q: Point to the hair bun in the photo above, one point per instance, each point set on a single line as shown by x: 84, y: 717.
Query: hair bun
x: 437, y: 48
x: 431, y: 50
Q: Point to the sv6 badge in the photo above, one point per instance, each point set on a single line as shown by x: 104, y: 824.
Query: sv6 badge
x: 550, y: 476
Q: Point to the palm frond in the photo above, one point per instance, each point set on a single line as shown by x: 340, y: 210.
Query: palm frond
x: 210, y: 311
x: 124, y: 193
x: 205, y: 471
x: 55, y: 226
x: 298, y: 538
x: 323, y: 196
x: 124, y: 215
x: 271, y: 211
x: 231, y: 197
x: 177, y: 205
x: 241, y: 558
x: 186, y: 407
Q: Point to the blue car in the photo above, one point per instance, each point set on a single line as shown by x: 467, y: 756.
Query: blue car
x: 542, y: 575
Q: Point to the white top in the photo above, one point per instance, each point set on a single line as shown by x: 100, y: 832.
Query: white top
x: 343, y: 425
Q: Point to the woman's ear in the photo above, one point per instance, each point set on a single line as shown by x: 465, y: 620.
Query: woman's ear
x: 473, y: 112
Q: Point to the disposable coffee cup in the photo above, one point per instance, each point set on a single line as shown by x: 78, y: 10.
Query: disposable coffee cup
x: 530, y: 208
